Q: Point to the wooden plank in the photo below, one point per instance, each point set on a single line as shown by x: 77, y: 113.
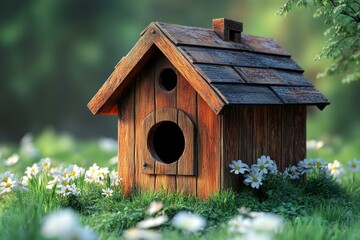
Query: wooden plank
x: 260, y: 131
x: 185, y: 35
x: 288, y: 131
x: 300, y: 95
x: 175, y: 56
x: 227, y: 29
x: 187, y: 102
x: 246, y: 134
x: 293, y: 78
x: 105, y: 100
x: 148, y: 162
x: 144, y: 105
x: 230, y: 136
x: 300, y: 134
x: 237, y: 58
x: 261, y: 76
x: 208, y: 150
x: 164, y: 99
x: 126, y: 140
x: 219, y: 73
x: 274, y: 136
x: 246, y: 94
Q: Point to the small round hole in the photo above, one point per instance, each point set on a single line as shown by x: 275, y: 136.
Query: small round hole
x: 166, y: 142
x: 168, y: 79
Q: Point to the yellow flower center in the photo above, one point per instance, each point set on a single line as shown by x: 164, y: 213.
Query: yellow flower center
x: 72, y: 173
x: 46, y: 165
x: 65, y: 183
x: 255, y: 179
x: 310, y: 164
x: 237, y: 168
x: 5, y: 179
x: 353, y: 165
x: 319, y: 164
x: 262, y: 166
x: 8, y: 185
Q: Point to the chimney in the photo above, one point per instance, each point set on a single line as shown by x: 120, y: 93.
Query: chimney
x: 227, y: 30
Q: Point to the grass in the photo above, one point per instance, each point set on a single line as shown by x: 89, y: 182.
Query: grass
x: 318, y: 208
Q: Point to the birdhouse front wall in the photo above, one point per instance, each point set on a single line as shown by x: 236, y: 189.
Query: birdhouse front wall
x: 150, y: 108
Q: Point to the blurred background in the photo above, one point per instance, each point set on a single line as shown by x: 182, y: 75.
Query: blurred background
x: 55, y: 55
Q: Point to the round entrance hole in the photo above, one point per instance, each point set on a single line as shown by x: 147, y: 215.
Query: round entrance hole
x: 166, y: 142
x: 168, y: 79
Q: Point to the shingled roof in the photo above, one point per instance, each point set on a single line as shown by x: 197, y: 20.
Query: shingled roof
x: 223, y: 65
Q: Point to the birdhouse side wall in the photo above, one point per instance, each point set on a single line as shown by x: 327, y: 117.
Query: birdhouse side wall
x: 251, y: 131
x: 144, y: 97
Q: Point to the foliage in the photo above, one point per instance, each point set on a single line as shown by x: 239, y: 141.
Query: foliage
x: 343, y: 44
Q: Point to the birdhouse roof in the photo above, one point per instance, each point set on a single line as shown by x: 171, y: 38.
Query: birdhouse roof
x: 223, y: 65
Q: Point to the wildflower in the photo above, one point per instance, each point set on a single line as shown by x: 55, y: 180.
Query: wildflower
x: 335, y: 168
x: 306, y: 165
x: 44, y: 164
x: 292, y: 172
x: 320, y: 163
x: 266, y: 222
x: 113, y: 160
x: 63, y: 182
x: 108, y: 144
x: 92, y: 175
x: 73, y: 171
x: 238, y: 167
x: 145, y: 234
x: 5, y: 176
x: 32, y: 171
x: 314, y: 145
x: 102, y: 173
x: 107, y: 192
x: 254, y: 178
x: 7, y: 186
x: 64, y: 224
x: 354, y: 165
x: 262, y: 165
x: 152, y: 222
x: 23, y: 183
x: 12, y: 160
x: 239, y: 224
x: 114, y: 179
x: 27, y: 146
x: 154, y: 207
x: 189, y: 221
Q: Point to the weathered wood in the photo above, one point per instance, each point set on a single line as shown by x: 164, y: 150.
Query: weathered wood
x: 148, y: 162
x: 262, y: 76
x: 126, y: 140
x: 186, y: 101
x: 293, y: 78
x: 105, y: 100
x: 227, y: 30
x: 288, y: 138
x: 299, y: 95
x: 185, y: 35
x: 164, y: 99
x: 208, y: 180
x: 144, y: 105
x: 274, y: 137
x: 230, y: 137
x: 187, y: 70
x: 260, y: 131
x: 246, y: 94
x: 219, y: 73
x: 299, y: 134
x: 246, y: 134
x: 237, y: 58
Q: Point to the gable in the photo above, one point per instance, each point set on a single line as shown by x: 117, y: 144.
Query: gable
x: 254, y: 71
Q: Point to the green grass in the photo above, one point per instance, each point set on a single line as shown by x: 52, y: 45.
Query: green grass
x: 318, y: 208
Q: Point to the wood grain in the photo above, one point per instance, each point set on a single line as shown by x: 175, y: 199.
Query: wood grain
x: 164, y: 99
x: 186, y: 101
x: 274, y: 137
x: 299, y: 95
x: 299, y: 134
x: 126, y: 140
x: 219, y: 73
x: 288, y: 137
x: 262, y: 76
x: 246, y: 134
x: 144, y: 105
x: 208, y: 150
x: 260, y: 131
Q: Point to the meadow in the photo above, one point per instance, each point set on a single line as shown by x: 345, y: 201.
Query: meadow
x: 65, y: 188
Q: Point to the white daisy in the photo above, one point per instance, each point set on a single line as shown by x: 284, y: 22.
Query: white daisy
x: 292, y: 172
x: 152, y: 222
x: 32, y: 171
x: 7, y: 186
x: 254, y: 178
x: 44, y: 164
x: 189, y: 221
x: 12, y: 160
x: 238, y: 167
x: 155, y: 206
x: 107, y: 192
x: 306, y: 165
x: 335, y: 168
x: 354, y: 165
x: 114, y: 179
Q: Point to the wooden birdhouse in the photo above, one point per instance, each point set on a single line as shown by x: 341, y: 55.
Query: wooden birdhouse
x: 190, y: 100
